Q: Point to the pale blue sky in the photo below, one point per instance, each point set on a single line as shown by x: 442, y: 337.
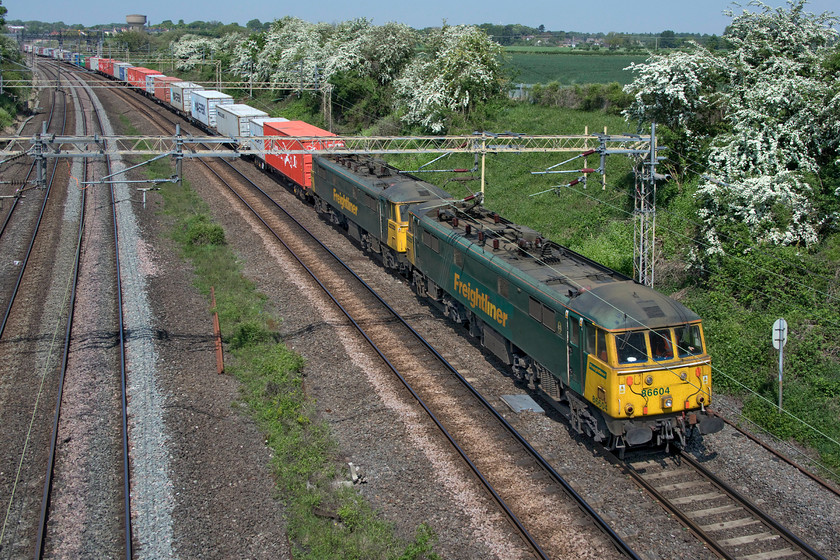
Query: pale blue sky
x: 642, y: 16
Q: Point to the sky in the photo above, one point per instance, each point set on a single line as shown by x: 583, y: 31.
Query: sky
x: 639, y: 16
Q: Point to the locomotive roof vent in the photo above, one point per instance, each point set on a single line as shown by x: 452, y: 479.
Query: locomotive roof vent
x: 651, y: 309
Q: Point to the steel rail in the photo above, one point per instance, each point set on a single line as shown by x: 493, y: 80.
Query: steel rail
x: 123, y: 379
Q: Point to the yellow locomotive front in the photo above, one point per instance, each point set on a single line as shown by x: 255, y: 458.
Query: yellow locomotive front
x: 651, y: 383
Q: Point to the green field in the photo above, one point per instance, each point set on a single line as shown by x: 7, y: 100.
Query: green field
x: 569, y: 69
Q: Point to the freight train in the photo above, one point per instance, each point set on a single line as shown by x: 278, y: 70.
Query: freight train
x: 625, y: 364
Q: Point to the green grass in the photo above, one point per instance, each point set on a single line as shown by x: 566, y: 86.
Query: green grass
x: 568, y: 69
x: 325, y: 520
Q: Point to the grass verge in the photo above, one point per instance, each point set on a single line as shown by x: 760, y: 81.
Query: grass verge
x: 326, y: 520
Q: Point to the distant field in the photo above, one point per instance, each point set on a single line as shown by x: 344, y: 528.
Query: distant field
x: 567, y: 69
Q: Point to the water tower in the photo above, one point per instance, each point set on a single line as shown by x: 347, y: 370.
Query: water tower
x: 136, y: 22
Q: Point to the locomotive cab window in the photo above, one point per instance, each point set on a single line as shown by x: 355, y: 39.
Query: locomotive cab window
x: 590, y: 339
x: 631, y: 347
x: 396, y: 212
x: 689, y: 340
x: 601, y: 345
x: 459, y: 258
x: 661, y: 346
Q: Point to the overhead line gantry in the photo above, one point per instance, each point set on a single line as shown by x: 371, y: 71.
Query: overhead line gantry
x: 44, y: 146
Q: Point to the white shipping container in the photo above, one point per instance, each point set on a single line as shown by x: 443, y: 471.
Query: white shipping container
x: 204, y: 103
x: 232, y: 120
x: 256, y: 130
x: 119, y: 70
x: 94, y: 63
x: 150, y: 83
x: 180, y: 95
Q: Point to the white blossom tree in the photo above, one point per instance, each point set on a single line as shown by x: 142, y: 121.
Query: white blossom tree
x: 459, y: 68
x: 193, y: 49
x: 766, y: 111
x: 294, y: 50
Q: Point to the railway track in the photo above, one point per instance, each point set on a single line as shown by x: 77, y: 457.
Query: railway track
x: 98, y: 238
x: 72, y: 456
x: 18, y: 174
x: 26, y: 373
x: 716, y: 513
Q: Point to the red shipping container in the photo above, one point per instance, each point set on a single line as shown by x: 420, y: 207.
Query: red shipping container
x: 297, y: 167
x: 162, y: 90
x: 136, y: 76
x: 106, y: 66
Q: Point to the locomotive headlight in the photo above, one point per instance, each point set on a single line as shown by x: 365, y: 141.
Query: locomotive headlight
x: 667, y: 401
x: 629, y: 409
x: 649, y: 380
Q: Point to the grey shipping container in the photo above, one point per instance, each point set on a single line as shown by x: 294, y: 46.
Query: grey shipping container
x: 181, y: 95
x: 204, y: 104
x: 232, y: 120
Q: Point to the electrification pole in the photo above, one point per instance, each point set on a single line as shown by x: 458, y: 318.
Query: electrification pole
x: 644, y: 230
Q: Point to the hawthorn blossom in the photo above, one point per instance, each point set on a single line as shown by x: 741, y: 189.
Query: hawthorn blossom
x: 764, y: 114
